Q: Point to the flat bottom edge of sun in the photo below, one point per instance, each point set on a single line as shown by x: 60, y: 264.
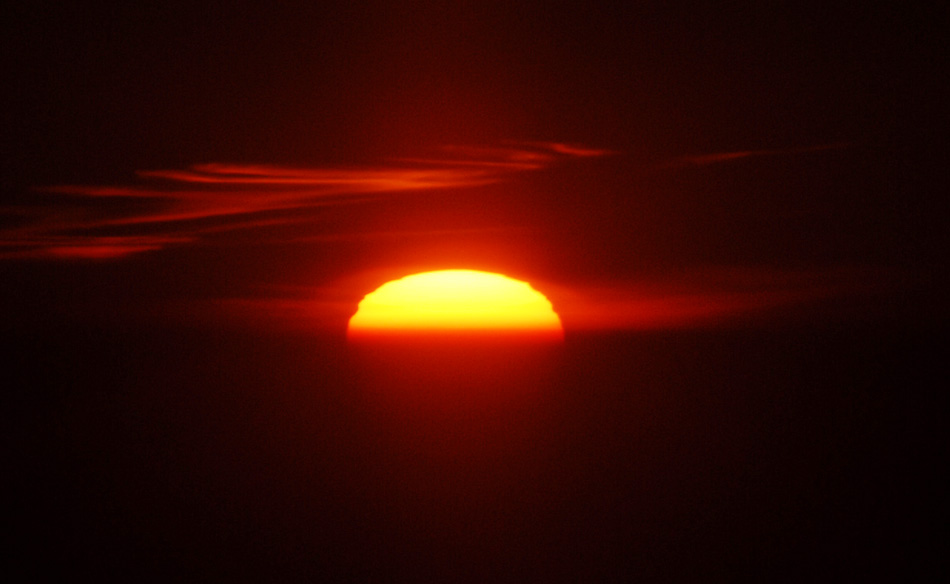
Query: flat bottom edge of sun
x: 456, y: 305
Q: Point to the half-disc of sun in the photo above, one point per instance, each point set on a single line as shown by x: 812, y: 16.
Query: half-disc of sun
x: 456, y: 302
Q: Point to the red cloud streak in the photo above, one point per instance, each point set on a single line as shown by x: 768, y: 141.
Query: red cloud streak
x: 232, y: 196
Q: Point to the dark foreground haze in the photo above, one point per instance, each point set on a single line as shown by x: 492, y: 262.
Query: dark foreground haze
x: 783, y: 454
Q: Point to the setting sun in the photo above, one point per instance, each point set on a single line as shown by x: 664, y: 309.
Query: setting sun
x: 455, y: 301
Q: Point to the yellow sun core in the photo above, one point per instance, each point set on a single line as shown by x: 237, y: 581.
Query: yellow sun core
x: 455, y: 301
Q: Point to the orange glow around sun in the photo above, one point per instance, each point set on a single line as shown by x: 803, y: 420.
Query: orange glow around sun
x: 460, y: 302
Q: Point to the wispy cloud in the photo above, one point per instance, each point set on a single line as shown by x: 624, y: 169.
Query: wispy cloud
x: 80, y: 247
x: 180, y: 206
x: 572, y: 149
x: 721, y: 157
x: 713, y: 296
x: 327, y: 180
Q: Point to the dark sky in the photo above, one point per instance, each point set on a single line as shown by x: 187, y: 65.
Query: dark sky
x: 654, y: 168
x: 780, y: 138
